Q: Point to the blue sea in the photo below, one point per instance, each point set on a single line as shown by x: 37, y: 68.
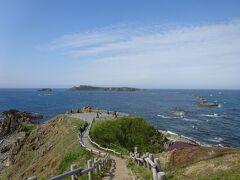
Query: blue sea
x: 171, y: 110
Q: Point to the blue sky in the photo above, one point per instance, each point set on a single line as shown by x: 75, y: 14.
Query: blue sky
x: 147, y: 43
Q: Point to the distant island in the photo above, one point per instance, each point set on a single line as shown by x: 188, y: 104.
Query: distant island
x: 45, y: 89
x: 94, y: 88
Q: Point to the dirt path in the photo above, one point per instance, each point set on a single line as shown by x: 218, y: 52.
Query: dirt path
x: 121, y: 171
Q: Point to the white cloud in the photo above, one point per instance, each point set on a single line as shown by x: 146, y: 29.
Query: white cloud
x: 206, y: 56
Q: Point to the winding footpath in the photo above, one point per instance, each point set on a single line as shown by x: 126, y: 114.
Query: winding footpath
x: 121, y: 171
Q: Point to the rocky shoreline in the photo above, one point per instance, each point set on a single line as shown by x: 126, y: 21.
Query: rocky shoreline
x: 175, y: 137
x: 177, y: 141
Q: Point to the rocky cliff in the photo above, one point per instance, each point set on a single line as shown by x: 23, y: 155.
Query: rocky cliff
x: 39, y: 150
x: 15, y: 127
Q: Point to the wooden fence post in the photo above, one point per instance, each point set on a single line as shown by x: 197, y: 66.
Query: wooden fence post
x: 148, y: 165
x: 99, y: 165
x: 161, y: 176
x: 135, y: 150
x: 155, y: 174
x: 151, y: 158
x: 96, y: 168
x: 90, y: 172
x: 72, y: 167
x: 157, y: 162
x: 154, y: 168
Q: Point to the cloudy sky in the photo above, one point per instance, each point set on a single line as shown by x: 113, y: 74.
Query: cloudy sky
x: 146, y: 44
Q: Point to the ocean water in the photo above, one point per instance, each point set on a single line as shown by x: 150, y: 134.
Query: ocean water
x: 171, y: 110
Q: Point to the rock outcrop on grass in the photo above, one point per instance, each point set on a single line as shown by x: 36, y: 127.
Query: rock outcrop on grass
x: 15, y: 127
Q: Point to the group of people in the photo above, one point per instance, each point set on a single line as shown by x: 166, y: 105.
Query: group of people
x: 114, y: 114
x: 89, y: 109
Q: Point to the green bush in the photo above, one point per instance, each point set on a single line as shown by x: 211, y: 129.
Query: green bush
x: 127, y: 132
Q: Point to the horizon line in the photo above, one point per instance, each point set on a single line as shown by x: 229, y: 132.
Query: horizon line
x: 126, y: 86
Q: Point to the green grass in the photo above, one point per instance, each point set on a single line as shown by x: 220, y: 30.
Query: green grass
x: 125, y: 133
x: 79, y: 157
x: 140, y: 171
x: 220, y: 167
x: 104, y: 169
x: 31, y: 126
x: 233, y: 173
x: 71, y: 157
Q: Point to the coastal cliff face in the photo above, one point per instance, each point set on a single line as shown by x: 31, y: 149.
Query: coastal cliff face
x: 15, y: 127
x: 41, y: 150
x: 15, y: 121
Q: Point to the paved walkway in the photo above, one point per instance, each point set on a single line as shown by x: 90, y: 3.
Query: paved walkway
x: 121, y: 172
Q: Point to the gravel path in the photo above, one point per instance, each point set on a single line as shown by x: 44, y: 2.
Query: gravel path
x: 121, y: 172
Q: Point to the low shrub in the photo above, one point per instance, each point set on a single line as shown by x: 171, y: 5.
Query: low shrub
x: 127, y: 132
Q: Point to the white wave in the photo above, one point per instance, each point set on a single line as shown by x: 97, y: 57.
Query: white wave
x: 194, y: 127
x: 215, y: 115
x: 194, y: 141
x: 219, y: 106
x: 188, y: 138
x: 48, y: 94
x: 216, y: 139
x: 220, y: 145
x: 165, y: 117
x: 190, y: 120
x: 170, y: 132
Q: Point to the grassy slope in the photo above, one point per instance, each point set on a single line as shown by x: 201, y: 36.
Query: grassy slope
x: 125, y: 133
x: 140, y: 171
x: 50, y: 149
x: 202, y: 163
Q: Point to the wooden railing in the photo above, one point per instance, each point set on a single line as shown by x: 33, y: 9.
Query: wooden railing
x: 91, y: 166
x: 148, y: 161
x: 74, y: 172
